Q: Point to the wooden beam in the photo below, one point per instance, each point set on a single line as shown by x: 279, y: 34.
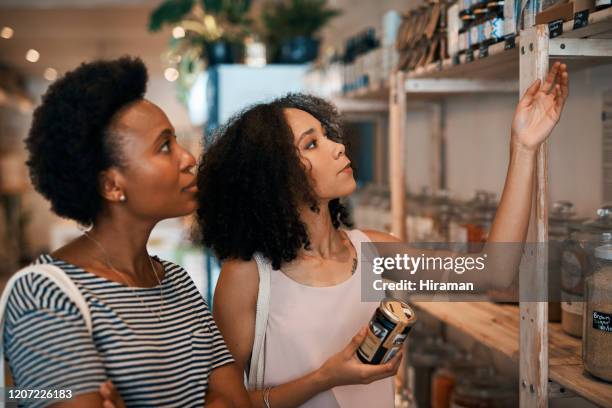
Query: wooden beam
x: 533, y: 341
x: 397, y: 129
x: 580, y: 48
x: 435, y: 162
x: 451, y: 86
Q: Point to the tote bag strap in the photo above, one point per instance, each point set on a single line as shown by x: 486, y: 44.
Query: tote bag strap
x: 257, y: 364
x: 62, y: 280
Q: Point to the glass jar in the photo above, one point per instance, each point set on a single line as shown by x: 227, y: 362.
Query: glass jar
x: 483, y: 389
x: 480, y: 214
x: 424, y: 215
x: 562, y: 218
x: 443, y: 213
x: 423, y: 360
x: 445, y: 378
x: 496, y: 8
x: 577, y: 261
x: 494, y: 27
x: 597, y: 328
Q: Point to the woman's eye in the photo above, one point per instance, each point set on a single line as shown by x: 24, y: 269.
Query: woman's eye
x: 311, y: 145
x: 165, y: 147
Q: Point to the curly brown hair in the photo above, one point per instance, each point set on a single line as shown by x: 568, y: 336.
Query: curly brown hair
x: 251, y: 183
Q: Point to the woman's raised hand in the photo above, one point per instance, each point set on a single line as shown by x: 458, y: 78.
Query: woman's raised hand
x: 345, y: 368
x: 540, y: 108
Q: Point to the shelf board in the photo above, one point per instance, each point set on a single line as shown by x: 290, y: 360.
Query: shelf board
x: 497, y: 327
x: 376, y: 90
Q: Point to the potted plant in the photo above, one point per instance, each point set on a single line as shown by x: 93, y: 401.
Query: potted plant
x: 214, y: 29
x: 291, y: 27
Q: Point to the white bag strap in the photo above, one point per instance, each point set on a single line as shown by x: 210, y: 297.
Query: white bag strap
x: 62, y: 280
x: 257, y: 366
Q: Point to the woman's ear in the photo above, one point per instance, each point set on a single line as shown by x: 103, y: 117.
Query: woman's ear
x: 110, y: 185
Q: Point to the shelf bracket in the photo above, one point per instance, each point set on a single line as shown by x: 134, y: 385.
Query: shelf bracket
x: 580, y: 48
x: 450, y: 86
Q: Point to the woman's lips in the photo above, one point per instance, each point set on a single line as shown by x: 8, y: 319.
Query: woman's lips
x: 347, y: 168
x: 191, y: 187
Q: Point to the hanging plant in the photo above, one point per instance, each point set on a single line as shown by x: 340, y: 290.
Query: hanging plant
x: 291, y: 27
x: 210, y: 25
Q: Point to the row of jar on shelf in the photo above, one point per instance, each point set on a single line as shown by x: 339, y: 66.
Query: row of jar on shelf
x: 430, y: 217
x: 439, y: 374
x: 368, y: 69
x: 579, y: 257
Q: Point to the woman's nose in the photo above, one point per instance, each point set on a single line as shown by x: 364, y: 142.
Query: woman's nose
x: 339, y: 150
x: 188, y: 161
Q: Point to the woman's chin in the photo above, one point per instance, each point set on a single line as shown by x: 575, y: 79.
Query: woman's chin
x: 347, y: 189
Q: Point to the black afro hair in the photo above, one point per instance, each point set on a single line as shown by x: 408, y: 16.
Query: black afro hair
x: 69, y: 142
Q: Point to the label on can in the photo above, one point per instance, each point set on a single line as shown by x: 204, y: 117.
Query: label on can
x: 373, y: 340
x: 386, y: 334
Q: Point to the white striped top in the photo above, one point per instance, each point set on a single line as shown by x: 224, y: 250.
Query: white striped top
x: 152, y: 363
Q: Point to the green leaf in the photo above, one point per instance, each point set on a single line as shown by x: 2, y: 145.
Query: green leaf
x: 169, y: 12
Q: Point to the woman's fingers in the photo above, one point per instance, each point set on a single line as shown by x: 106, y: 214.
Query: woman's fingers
x: 111, y: 396
x: 551, y: 78
x: 564, y: 85
x: 378, y: 372
x: 530, y: 93
x: 105, y: 390
x: 356, y: 341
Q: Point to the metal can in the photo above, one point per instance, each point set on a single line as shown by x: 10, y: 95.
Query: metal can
x: 387, y: 331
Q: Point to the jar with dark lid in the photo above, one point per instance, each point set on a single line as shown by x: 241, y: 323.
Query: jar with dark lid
x: 577, y: 262
x: 562, y: 218
x: 479, y: 8
x: 597, y: 318
x: 496, y: 8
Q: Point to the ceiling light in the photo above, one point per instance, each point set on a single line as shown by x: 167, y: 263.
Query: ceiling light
x: 171, y: 74
x: 32, y: 55
x: 7, y: 32
x: 50, y: 74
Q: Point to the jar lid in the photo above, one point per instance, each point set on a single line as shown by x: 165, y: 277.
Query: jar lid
x: 604, y: 252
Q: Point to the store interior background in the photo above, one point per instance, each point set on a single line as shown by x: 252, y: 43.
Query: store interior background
x: 67, y: 32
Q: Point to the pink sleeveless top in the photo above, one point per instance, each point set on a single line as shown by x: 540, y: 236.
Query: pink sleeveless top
x: 307, y: 325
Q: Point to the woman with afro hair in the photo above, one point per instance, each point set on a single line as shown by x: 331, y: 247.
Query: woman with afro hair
x: 269, y: 206
x: 107, y: 158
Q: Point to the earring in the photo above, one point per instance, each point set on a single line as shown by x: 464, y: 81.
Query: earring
x: 122, y: 198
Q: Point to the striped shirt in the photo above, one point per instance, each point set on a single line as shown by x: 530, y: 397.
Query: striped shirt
x: 152, y: 363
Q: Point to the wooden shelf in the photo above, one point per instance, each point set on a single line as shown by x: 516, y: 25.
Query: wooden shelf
x: 501, y: 63
x: 497, y: 327
x: 504, y: 64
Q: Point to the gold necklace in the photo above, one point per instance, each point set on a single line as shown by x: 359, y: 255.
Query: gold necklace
x: 110, y: 265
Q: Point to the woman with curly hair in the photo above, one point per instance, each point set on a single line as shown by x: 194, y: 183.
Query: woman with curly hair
x: 108, y: 158
x: 269, y: 190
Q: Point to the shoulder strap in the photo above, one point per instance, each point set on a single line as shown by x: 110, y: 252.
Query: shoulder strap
x: 62, y: 280
x: 257, y: 366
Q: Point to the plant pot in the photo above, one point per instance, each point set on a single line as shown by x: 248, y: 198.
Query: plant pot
x: 298, y: 50
x: 224, y: 52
